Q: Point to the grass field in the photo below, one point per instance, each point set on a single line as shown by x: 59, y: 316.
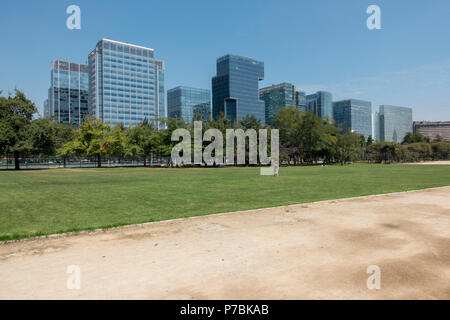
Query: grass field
x: 42, y: 202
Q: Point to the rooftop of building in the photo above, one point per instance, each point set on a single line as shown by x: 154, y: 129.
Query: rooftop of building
x: 383, y: 106
x: 189, y: 88
x: 432, y: 123
x: 355, y: 101
x: 234, y: 56
x: 126, y: 44
x: 276, y: 86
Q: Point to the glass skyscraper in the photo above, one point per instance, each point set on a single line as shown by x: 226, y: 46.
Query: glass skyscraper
x: 126, y: 84
x: 187, y: 102
x: 301, y: 100
x: 321, y: 104
x: 394, y: 123
x: 278, y: 96
x: 354, y: 116
x: 68, y: 96
x: 235, y: 88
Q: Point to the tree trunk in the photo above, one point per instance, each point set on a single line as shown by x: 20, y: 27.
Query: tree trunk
x: 16, y: 160
x: 145, y: 161
x: 65, y: 160
x: 99, y: 161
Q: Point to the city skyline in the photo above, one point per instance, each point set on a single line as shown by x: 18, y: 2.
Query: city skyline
x: 389, y: 66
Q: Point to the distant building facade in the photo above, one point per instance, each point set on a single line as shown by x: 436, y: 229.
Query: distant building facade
x: 68, y: 96
x: 433, y: 129
x: 235, y: 88
x: 186, y: 102
x: 321, y: 104
x: 376, y: 126
x: 278, y: 96
x: 394, y: 123
x: 301, y: 100
x: 126, y: 84
x: 354, y: 116
x: 203, y: 111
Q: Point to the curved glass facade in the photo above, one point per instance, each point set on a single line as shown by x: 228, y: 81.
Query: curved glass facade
x: 321, y: 104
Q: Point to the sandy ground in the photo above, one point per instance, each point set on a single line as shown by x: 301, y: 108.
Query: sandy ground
x: 431, y: 163
x: 310, y: 251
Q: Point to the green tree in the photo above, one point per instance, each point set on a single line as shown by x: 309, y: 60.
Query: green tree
x: 317, y: 137
x: 141, y: 140
x: 384, y: 152
x: 94, y: 139
x: 346, y: 147
x: 441, y: 150
x: 43, y: 136
x: 438, y: 138
x: 16, y: 113
x: 250, y: 122
x: 287, y: 120
x: 414, y: 138
x: 65, y: 134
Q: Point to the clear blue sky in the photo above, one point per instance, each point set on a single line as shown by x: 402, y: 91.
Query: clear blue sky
x: 321, y: 44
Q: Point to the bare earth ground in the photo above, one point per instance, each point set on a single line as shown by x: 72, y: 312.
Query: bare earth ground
x: 310, y: 251
x: 430, y: 163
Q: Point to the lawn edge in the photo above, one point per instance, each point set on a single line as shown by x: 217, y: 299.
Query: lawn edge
x: 144, y: 224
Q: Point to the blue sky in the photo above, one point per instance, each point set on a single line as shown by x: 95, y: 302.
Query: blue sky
x: 321, y: 44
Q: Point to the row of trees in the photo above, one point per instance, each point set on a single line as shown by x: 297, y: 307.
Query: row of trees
x: 304, y: 138
x: 307, y: 138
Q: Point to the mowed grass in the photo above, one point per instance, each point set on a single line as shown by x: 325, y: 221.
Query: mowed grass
x: 43, y: 202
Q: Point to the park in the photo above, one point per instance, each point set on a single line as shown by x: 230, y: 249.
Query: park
x: 290, y: 237
x: 43, y: 202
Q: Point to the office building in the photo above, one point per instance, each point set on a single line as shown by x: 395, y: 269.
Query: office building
x: 186, y: 102
x: 321, y: 104
x: 394, y: 123
x: 376, y: 126
x: 68, y: 96
x: 301, y: 100
x: 433, y: 129
x: 353, y: 116
x: 202, y: 111
x: 278, y: 96
x: 126, y: 84
x: 235, y: 88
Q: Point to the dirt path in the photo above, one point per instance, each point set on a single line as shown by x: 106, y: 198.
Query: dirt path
x: 430, y: 163
x: 311, y: 251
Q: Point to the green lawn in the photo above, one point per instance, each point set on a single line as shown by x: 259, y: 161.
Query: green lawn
x: 44, y: 202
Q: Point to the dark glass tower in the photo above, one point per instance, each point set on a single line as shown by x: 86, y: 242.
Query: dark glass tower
x: 235, y: 88
x: 68, y: 96
x: 281, y: 95
x: 354, y: 116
